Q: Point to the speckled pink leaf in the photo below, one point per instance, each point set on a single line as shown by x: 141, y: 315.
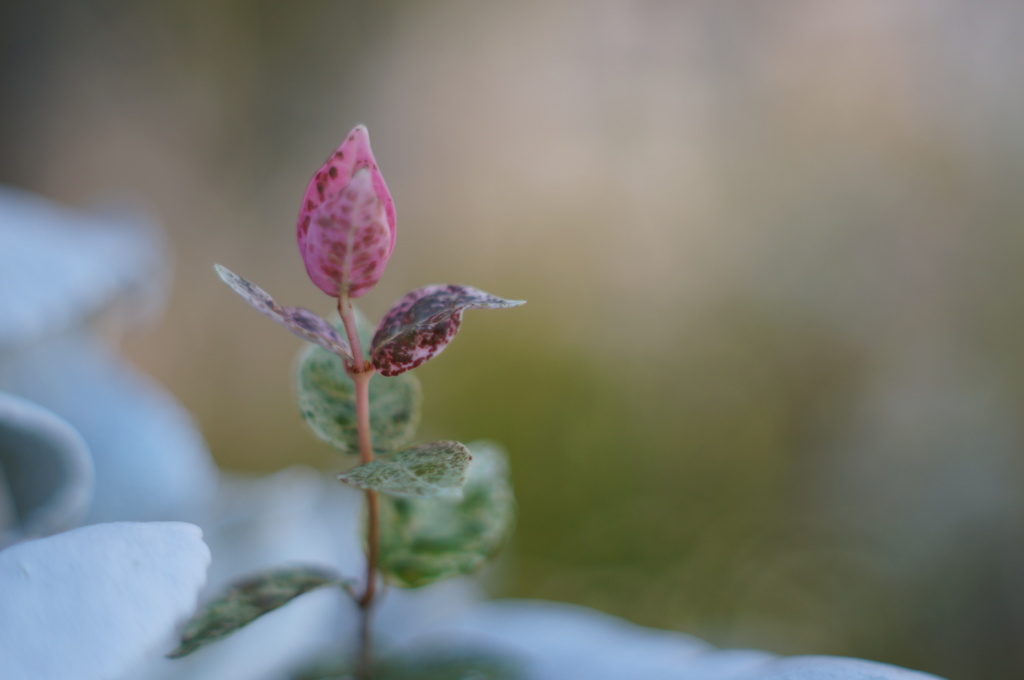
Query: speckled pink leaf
x: 299, y: 321
x: 422, y: 323
x: 346, y: 225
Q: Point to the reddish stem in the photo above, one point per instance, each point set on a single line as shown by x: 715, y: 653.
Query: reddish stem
x: 348, y: 319
x: 367, y: 601
x: 360, y: 371
x: 362, y: 383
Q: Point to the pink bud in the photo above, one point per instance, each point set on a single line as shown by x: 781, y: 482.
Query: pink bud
x: 346, y: 226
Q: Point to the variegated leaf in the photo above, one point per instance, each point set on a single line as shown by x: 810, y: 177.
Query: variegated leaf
x: 299, y: 321
x: 244, y: 602
x: 423, y: 540
x: 346, y: 224
x: 422, y: 323
x: 435, y: 469
x: 326, y: 398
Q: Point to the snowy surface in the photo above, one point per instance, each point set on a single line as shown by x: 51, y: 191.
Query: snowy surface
x: 556, y: 641
x: 89, y: 603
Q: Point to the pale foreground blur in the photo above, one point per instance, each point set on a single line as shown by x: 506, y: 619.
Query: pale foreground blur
x: 767, y: 387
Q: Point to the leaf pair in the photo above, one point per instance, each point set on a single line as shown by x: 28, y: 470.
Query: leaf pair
x: 422, y: 540
x: 416, y: 328
x: 326, y: 396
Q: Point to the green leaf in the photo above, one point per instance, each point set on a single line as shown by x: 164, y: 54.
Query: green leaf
x: 326, y: 398
x: 434, y: 469
x: 423, y: 540
x: 247, y: 600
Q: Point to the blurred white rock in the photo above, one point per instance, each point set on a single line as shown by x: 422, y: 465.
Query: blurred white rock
x: 60, y: 271
x: 91, y: 602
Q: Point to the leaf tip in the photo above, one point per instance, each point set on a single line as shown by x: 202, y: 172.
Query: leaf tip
x: 225, y: 274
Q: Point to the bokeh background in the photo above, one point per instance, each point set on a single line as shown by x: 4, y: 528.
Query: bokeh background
x: 768, y: 387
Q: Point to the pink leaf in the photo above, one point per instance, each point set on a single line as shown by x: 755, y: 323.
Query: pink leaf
x: 422, y: 323
x: 346, y: 226
x: 299, y: 321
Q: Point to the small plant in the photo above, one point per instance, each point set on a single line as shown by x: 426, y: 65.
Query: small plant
x: 433, y: 510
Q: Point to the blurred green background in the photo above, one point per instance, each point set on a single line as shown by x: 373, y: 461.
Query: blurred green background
x: 768, y: 385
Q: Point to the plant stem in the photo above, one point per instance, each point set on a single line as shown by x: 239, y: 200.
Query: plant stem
x: 348, y: 319
x: 362, y: 383
x: 365, y: 668
x: 360, y: 372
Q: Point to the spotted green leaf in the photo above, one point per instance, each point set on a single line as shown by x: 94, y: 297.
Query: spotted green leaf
x: 248, y: 600
x: 301, y: 322
x: 326, y: 398
x: 434, y: 469
x: 423, y: 322
x: 423, y: 540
